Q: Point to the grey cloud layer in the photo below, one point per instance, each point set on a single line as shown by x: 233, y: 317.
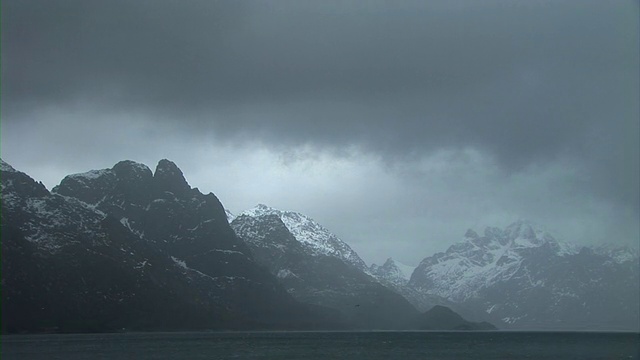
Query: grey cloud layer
x: 527, y: 82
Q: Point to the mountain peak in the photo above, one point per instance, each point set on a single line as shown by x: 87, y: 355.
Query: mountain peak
x: 389, y: 266
x: 167, y: 166
x: 526, y: 234
x: 521, y: 228
x: 91, y: 187
x: 168, y: 177
x: 311, y: 234
x: 131, y: 170
x: 389, y: 263
x: 15, y: 182
x: 262, y: 209
x: 392, y: 273
x: 470, y: 234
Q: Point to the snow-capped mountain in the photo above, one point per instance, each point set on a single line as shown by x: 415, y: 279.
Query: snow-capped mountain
x: 321, y: 277
x: 313, y: 236
x: 392, y: 273
x: 47, y: 227
x: 523, y: 277
x: 395, y: 275
x: 67, y: 266
x: 373, y: 299
x: 125, y: 247
x: 478, y: 262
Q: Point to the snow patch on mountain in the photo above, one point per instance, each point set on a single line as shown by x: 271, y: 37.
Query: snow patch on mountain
x: 125, y: 222
x: 138, y: 168
x: 91, y: 175
x: 230, y: 215
x: 180, y: 263
x: 219, y: 281
x: 254, y: 230
x: 68, y: 219
x: 285, y: 273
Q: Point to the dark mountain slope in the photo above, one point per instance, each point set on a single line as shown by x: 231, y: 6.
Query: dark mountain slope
x: 318, y: 278
x: 125, y: 248
x: 443, y: 318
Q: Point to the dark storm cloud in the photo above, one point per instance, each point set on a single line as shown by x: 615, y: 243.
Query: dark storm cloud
x: 527, y: 82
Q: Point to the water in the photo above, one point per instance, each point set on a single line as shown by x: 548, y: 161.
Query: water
x: 324, y: 345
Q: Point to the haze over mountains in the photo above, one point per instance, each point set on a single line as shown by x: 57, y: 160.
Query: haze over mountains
x: 130, y: 248
x: 523, y: 278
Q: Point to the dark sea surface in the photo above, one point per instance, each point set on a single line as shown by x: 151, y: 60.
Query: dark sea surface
x: 325, y: 345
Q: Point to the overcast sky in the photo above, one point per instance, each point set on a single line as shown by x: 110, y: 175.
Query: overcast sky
x: 397, y: 125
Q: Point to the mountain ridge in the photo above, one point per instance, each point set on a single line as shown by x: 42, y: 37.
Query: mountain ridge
x: 157, y: 226
x: 311, y: 234
x: 523, y: 278
x: 112, y: 248
x: 321, y: 277
x: 120, y: 248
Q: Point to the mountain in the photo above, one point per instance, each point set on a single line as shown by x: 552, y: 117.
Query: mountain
x: 523, y: 278
x: 443, y: 318
x: 316, y: 267
x: 391, y: 273
x: 129, y: 248
x: 126, y: 248
x: 315, y: 238
x: 396, y: 276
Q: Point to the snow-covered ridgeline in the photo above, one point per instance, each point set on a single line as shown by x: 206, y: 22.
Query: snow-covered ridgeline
x: 312, y: 235
x: 91, y: 175
x: 478, y: 262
